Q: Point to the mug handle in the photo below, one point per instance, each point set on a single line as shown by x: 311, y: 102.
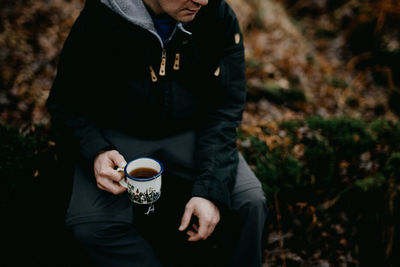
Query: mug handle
x: 122, y: 181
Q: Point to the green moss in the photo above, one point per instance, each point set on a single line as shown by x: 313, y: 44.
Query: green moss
x: 349, y: 137
x: 386, y: 132
x: 291, y: 172
x: 320, y: 160
x: 291, y: 128
x: 326, y: 157
x: 370, y: 182
x: 392, y: 166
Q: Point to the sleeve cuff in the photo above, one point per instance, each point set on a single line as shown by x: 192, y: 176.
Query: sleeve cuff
x: 92, y: 147
x: 214, y: 191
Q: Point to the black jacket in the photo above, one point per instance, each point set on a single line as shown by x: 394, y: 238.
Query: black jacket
x: 109, y: 78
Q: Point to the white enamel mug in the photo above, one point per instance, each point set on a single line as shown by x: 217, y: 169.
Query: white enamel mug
x: 143, y: 190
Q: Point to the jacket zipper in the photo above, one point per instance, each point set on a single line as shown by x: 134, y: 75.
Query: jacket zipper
x: 163, y: 62
x: 162, y: 72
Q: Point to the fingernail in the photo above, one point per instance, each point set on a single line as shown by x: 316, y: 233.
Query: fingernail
x: 181, y: 228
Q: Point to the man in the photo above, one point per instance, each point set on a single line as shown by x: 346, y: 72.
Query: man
x: 160, y: 78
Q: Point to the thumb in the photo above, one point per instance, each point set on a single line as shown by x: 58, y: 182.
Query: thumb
x: 187, y: 215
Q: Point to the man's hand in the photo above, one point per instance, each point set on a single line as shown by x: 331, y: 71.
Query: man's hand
x: 208, y: 217
x: 107, y: 177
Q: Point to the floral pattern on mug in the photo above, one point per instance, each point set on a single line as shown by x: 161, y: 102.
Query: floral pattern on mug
x: 150, y: 196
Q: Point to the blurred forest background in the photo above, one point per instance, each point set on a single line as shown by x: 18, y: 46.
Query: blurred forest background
x: 321, y: 127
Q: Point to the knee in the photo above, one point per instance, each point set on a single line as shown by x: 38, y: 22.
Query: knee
x: 93, y: 233
x: 251, y: 202
x: 84, y: 233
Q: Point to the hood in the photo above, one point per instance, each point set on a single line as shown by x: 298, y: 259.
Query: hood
x: 133, y: 11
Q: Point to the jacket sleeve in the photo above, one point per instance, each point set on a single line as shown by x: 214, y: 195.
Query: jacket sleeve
x: 69, y: 102
x: 217, y: 153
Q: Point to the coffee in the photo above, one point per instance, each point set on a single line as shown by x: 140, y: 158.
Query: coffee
x: 142, y: 180
x: 143, y: 172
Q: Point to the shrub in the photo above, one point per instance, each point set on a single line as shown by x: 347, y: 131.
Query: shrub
x: 21, y: 156
x: 322, y: 173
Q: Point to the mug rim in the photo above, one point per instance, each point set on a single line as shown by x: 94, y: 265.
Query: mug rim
x: 143, y: 179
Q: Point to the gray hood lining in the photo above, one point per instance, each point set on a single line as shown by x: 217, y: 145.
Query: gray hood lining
x: 135, y: 12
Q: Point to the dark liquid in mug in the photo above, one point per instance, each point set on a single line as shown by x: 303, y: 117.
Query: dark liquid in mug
x: 143, y: 172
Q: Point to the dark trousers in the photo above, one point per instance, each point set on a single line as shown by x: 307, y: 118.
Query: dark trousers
x: 154, y: 239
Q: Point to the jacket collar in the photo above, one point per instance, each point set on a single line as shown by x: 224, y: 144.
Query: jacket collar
x: 135, y: 12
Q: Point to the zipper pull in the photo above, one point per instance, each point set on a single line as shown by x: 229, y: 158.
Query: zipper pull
x: 163, y: 62
x: 153, y: 75
x: 237, y: 38
x: 217, y: 72
x: 177, y: 60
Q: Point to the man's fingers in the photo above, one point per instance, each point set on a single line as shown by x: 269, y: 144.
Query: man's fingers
x: 202, y: 231
x: 191, y: 234
x: 110, y: 186
x: 107, y: 177
x: 207, y: 215
x: 111, y: 174
x: 187, y: 215
x: 117, y: 159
